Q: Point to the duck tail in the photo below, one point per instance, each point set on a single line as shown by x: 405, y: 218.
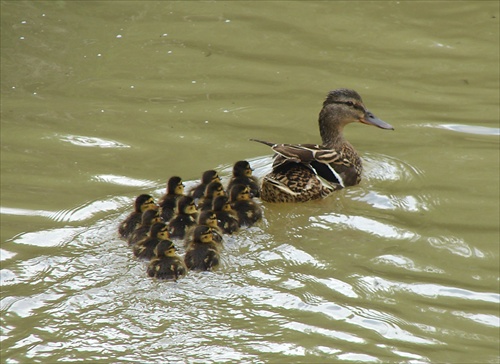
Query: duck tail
x: 263, y: 142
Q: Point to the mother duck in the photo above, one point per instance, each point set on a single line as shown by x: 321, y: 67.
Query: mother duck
x: 303, y: 172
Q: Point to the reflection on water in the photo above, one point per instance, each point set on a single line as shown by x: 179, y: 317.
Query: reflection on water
x: 105, y: 101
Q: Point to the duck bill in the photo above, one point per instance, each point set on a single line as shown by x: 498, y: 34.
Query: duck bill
x: 371, y: 119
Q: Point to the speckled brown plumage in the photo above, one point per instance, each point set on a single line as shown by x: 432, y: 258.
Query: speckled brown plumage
x: 303, y: 172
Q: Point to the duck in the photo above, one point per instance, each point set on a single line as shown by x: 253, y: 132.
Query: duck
x: 304, y: 172
x: 184, y: 218
x: 242, y: 174
x: 213, y: 190
x: 149, y: 217
x: 226, y: 217
x: 199, y: 190
x: 144, y: 249
x: 175, y: 189
x: 246, y: 209
x: 142, y: 203
x: 166, y: 265
x: 202, y: 253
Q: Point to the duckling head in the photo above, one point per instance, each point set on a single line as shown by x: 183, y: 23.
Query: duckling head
x: 203, y: 234
x: 186, y: 205
x: 175, y: 186
x: 208, y: 218
x: 150, y: 217
x: 144, y: 202
x: 159, y: 230
x: 240, y: 193
x: 210, y: 176
x: 242, y: 168
x: 221, y: 203
x: 165, y: 248
x: 214, y: 189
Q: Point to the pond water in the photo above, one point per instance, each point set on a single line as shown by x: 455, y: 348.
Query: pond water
x: 103, y: 101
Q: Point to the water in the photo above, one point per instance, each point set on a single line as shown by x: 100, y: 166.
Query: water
x: 102, y: 101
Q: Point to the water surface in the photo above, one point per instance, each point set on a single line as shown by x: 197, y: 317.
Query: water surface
x: 102, y: 101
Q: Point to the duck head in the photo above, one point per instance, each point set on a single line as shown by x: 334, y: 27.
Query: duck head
x: 242, y: 168
x: 175, y: 186
x: 186, y: 205
x: 145, y: 202
x: 342, y: 107
x: 240, y: 193
x: 203, y: 234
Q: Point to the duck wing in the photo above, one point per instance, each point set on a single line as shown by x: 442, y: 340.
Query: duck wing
x: 316, y: 157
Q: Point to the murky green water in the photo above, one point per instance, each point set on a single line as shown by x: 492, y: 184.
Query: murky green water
x: 102, y: 101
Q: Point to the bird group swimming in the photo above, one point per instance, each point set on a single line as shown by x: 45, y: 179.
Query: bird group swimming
x: 197, y: 219
x: 200, y: 218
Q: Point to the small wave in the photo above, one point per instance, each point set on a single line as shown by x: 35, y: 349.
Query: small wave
x: 86, y: 141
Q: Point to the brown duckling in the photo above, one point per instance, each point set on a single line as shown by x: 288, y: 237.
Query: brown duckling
x: 166, y: 264
x: 213, y: 190
x: 199, y: 190
x: 226, y: 217
x: 144, y: 249
x: 142, y: 203
x: 184, y: 218
x: 242, y: 175
x: 175, y: 189
x: 149, y: 218
x: 248, y: 211
x: 202, y: 252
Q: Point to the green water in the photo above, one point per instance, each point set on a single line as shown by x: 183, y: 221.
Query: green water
x: 102, y: 101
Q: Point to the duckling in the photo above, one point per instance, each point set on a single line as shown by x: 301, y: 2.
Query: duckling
x: 141, y: 204
x: 199, y: 190
x: 166, y: 264
x: 226, y: 216
x: 202, y: 252
x: 184, y: 218
x: 144, y: 249
x: 175, y: 189
x: 149, y: 218
x: 247, y: 210
x: 214, y: 189
x: 242, y: 174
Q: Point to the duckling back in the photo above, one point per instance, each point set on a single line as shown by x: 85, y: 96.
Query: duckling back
x: 166, y: 268
x: 202, y: 252
x: 201, y: 257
